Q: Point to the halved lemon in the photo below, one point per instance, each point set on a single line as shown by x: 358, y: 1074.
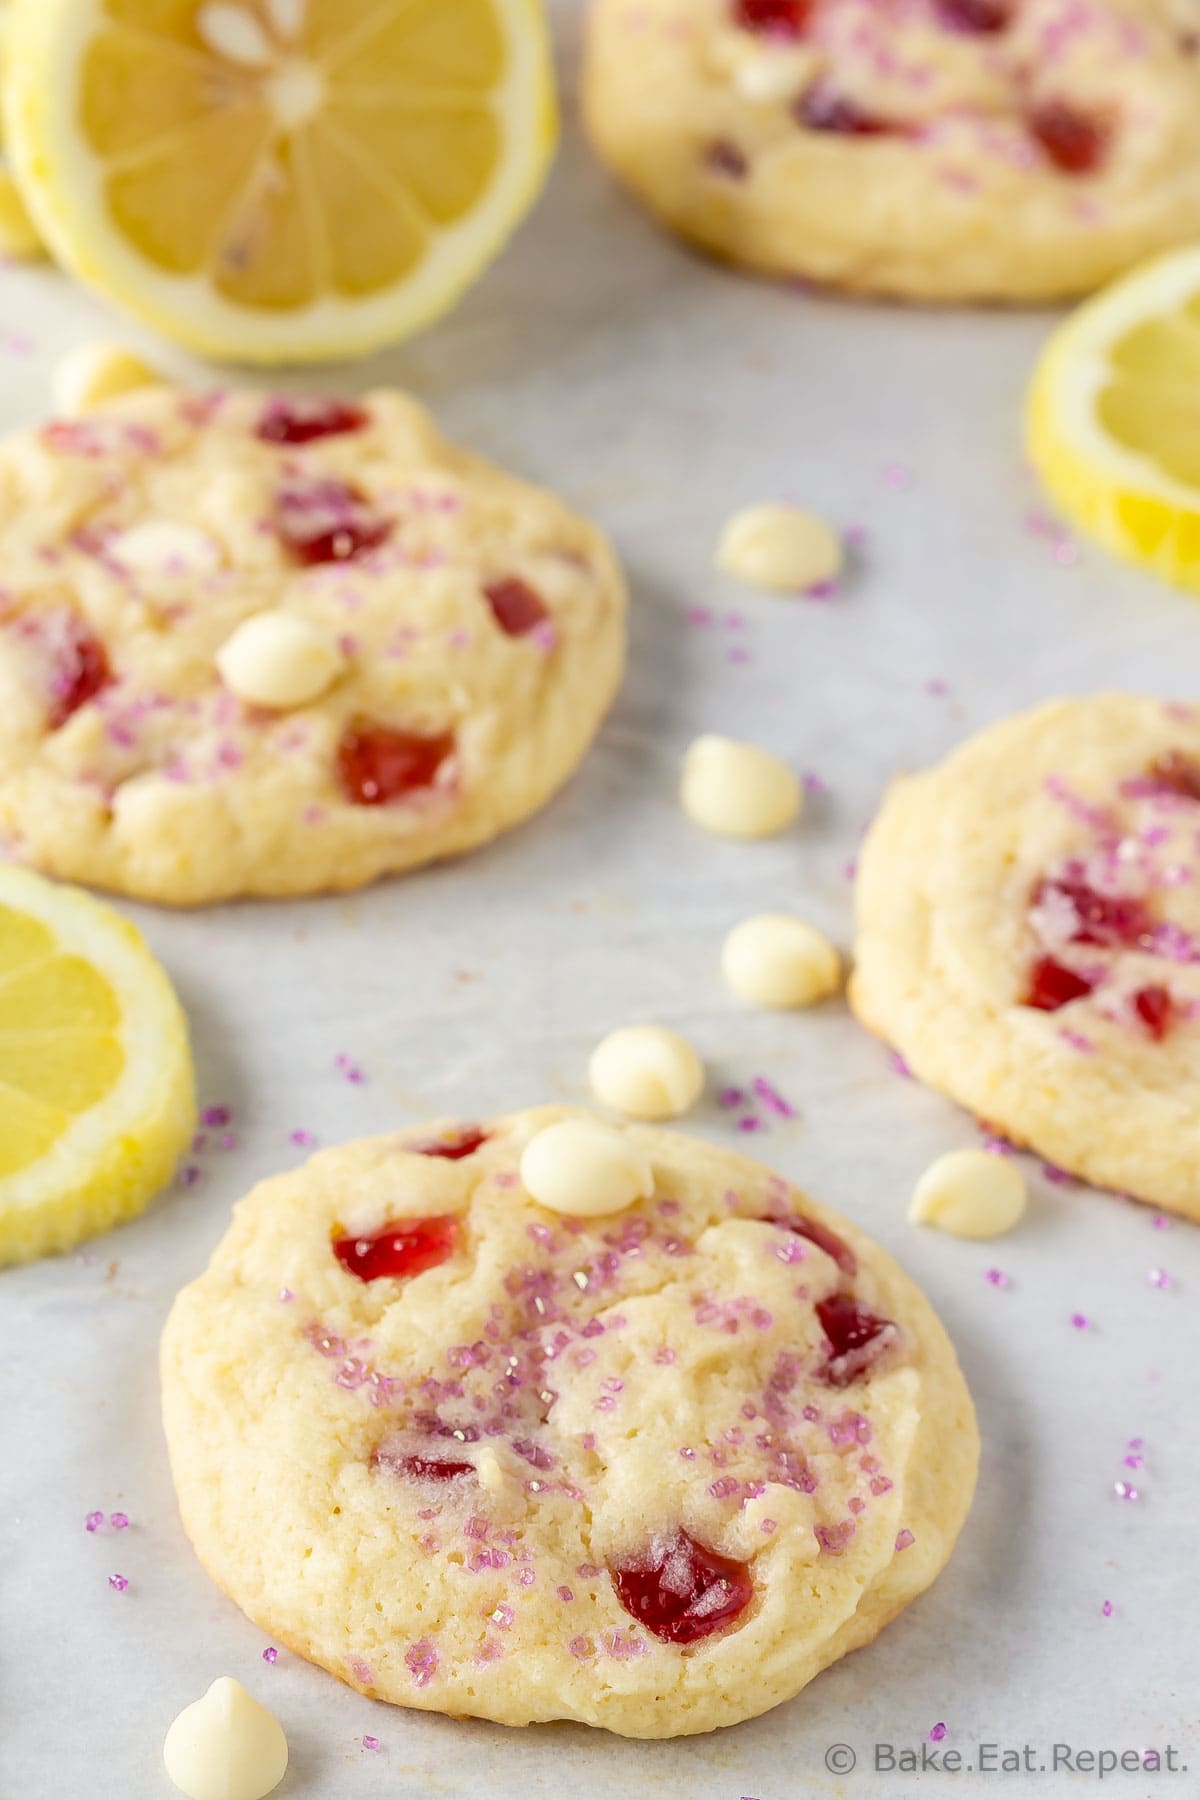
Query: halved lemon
x: 279, y: 180
x: 97, y: 1097
x: 1114, y: 417
x: 19, y: 237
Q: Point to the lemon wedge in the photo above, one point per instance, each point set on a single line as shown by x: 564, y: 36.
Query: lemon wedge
x: 96, y: 1088
x: 19, y: 238
x: 1114, y: 417
x: 279, y: 180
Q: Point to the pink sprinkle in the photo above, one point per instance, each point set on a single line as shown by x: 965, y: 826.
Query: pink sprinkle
x: 995, y: 1278
x: 1125, y: 1491
x: 94, y: 1521
x: 503, y: 1616
x: 370, y: 1743
x: 904, y: 1539
x: 119, y: 1521
x: 1107, y: 1609
x: 118, y: 1583
x: 285, y: 1295
x: 270, y: 1654
x: 1159, y: 1278
x: 1160, y: 1222
x: 937, y: 1733
x: 899, y: 1065
x: 749, y: 1123
x: 1080, y: 1321
x: 895, y: 475
x: 422, y: 1659
x: 1135, y: 1460
x: 769, y: 1526
x: 215, y: 1116
x: 303, y: 1139
x: 565, y: 1594
x: 582, y: 1647
x: 772, y: 1099
x: 731, y: 1097
x: 349, y: 1068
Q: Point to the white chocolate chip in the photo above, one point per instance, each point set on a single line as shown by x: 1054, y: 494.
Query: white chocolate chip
x: 234, y: 33
x: 489, y: 1471
x: 279, y: 660
x: 585, y: 1169
x: 163, y: 548
x: 777, y: 960
x: 738, y: 790
x: 646, y: 1072
x: 92, y: 374
x: 780, y: 547
x: 768, y: 76
x: 287, y: 16
x: 226, y: 1746
x: 970, y: 1194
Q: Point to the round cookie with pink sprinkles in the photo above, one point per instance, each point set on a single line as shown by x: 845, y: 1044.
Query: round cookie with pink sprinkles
x: 1029, y: 936
x: 932, y: 149
x: 651, y: 1469
x: 274, y: 646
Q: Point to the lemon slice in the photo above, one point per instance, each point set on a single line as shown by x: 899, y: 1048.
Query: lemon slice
x: 18, y: 234
x: 96, y: 1089
x: 1114, y: 417
x: 279, y: 180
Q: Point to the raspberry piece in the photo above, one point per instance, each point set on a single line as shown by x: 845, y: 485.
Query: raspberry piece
x: 857, y: 1339
x: 1075, y: 142
x: 821, y: 110
x: 1118, y: 920
x: 518, y: 609
x: 377, y: 765
x: 821, y: 1236
x: 1052, y: 985
x: 1153, y: 1007
x: 398, y: 1251
x: 81, y: 669
x: 682, y: 1592
x: 304, y: 419
x: 979, y: 17
x: 469, y: 1140
x: 328, y: 522
x: 1178, y: 773
x: 776, y: 18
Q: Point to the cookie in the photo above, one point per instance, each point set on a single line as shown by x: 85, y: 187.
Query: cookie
x: 934, y: 149
x: 651, y: 1471
x: 1029, y: 937
x: 279, y: 646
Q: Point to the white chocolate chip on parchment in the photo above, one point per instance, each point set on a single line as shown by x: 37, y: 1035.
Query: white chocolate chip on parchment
x: 646, y: 1072
x: 738, y: 790
x: 971, y: 1194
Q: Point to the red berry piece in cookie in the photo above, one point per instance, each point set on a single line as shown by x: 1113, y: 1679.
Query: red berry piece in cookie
x: 327, y: 521
x: 415, y: 1466
x: 1076, y: 142
x: 1052, y: 985
x: 517, y: 608
x: 774, y: 18
x: 822, y: 1237
x: 377, y: 764
x: 1177, y: 774
x: 1153, y: 1007
x: 858, y: 1339
x: 823, y: 110
x: 455, y: 1149
x: 1092, y: 917
x: 979, y: 18
x: 399, y: 1251
x: 682, y: 1592
x: 303, y: 420
x: 80, y: 669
